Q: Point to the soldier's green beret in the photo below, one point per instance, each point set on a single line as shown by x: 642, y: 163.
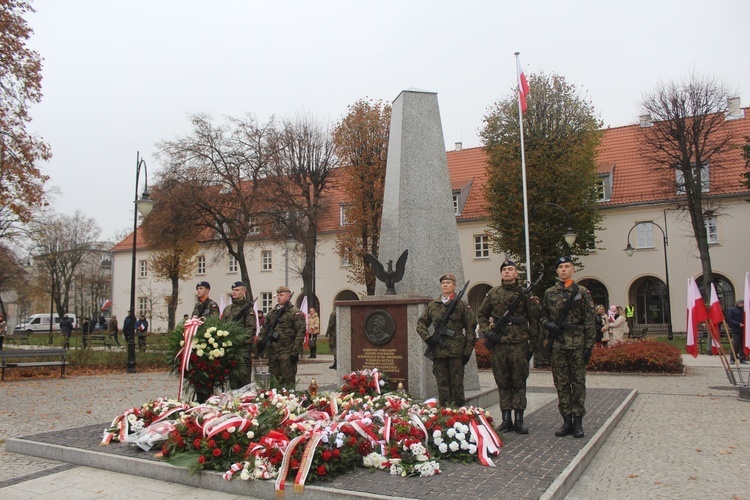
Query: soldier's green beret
x: 448, y: 276
x: 283, y: 289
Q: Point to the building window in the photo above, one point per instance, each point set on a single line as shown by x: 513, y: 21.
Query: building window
x: 644, y: 235
x: 142, y: 306
x: 201, y: 262
x: 457, y: 202
x: 233, y: 265
x: 604, y: 187
x: 345, y: 262
x: 254, y: 228
x: 680, y: 179
x: 266, y: 301
x: 481, y: 246
x: 266, y: 260
x: 143, y: 268
x: 712, y: 230
x: 344, y: 215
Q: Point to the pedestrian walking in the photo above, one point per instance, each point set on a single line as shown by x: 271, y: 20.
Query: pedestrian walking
x: 113, y: 329
x: 568, y: 316
x: 630, y: 316
x: 66, y: 329
x: 450, y: 356
x: 513, y: 343
x: 313, y: 329
x: 141, y: 329
x: 736, y: 320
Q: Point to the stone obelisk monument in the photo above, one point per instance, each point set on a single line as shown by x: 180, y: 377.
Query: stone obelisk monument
x: 418, y: 215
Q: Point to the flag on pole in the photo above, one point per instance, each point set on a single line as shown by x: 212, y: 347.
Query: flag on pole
x: 696, y: 313
x: 523, y: 85
x: 255, y: 312
x: 222, y: 304
x: 746, y: 344
x: 303, y: 308
x: 716, y: 315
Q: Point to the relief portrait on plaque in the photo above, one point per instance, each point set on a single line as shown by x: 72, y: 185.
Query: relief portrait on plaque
x: 379, y: 327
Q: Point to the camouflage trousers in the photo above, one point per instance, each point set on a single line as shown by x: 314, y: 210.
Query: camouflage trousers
x: 510, y: 367
x: 236, y: 382
x: 569, y: 375
x: 449, y: 375
x: 283, y: 370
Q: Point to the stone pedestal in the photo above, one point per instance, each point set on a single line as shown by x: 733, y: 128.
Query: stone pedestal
x: 381, y: 332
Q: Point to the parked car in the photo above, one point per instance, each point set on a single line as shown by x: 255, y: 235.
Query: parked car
x: 40, y: 323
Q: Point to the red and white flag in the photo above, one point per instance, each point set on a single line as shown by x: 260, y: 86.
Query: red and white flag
x: 303, y: 308
x: 257, y: 321
x: 523, y: 85
x: 696, y: 313
x: 746, y: 344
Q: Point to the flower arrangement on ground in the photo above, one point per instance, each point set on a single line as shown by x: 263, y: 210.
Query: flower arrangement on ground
x: 205, y: 353
x: 266, y: 434
x: 367, y: 382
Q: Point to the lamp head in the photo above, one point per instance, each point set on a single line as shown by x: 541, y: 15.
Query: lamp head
x: 145, y: 204
x: 570, y: 237
x: 629, y: 250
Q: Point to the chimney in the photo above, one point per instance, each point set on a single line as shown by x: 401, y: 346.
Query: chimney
x: 646, y: 121
x: 734, y: 109
x: 459, y: 146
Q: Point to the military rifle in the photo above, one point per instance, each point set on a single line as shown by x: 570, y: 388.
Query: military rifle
x: 440, y: 329
x: 501, y: 324
x: 272, y: 335
x: 560, y: 325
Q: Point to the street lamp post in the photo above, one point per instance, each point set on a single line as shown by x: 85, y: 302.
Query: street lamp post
x: 629, y: 250
x: 144, y: 206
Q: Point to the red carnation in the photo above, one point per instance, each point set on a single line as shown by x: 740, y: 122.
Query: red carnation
x: 236, y: 448
x: 295, y: 464
x: 197, y: 443
x: 225, y: 435
x: 326, y: 455
x: 336, y: 453
x: 201, y: 459
x: 211, y: 443
x: 322, y: 470
x: 216, y: 452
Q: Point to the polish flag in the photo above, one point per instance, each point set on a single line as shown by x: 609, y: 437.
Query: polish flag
x: 747, y: 314
x: 222, y: 304
x: 716, y: 315
x: 523, y: 85
x: 303, y: 308
x: 255, y: 312
x: 696, y: 313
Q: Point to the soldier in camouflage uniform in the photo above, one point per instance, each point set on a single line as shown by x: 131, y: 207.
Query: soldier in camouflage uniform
x: 205, y: 307
x: 241, y: 311
x: 512, y: 349
x: 448, y: 362
x: 574, y: 337
x: 283, y: 354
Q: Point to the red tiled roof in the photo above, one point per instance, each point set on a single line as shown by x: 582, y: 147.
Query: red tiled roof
x: 633, y: 181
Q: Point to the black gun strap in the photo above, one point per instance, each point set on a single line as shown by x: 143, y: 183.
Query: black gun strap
x: 568, y: 305
x: 243, y: 312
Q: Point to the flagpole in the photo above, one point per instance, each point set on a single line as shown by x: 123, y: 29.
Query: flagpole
x: 523, y: 176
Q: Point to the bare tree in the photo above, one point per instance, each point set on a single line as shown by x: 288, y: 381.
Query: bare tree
x: 93, y: 278
x: 220, y: 166
x: 61, y: 243
x: 302, y: 174
x: 11, y: 274
x: 688, y: 137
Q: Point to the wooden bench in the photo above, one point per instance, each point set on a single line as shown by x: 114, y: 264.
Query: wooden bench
x: 22, y: 336
x: 638, y: 335
x: 8, y: 359
x: 104, y: 340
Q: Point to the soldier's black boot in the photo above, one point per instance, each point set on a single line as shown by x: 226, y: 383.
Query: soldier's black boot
x: 567, y: 426
x: 507, y: 423
x: 578, y: 426
x: 518, y: 426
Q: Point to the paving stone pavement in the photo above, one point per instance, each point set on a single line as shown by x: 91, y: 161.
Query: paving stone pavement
x: 677, y: 440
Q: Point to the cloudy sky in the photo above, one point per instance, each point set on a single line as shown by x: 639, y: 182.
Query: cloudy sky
x: 120, y: 76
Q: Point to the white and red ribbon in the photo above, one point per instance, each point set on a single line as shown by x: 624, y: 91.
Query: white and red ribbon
x: 191, y: 328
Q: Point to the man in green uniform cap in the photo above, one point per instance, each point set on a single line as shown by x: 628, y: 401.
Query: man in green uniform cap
x: 289, y: 324
x: 568, y: 316
x: 448, y: 361
x: 205, y: 306
x: 241, y: 311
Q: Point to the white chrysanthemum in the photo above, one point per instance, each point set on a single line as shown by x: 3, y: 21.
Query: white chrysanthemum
x: 443, y: 448
x: 460, y: 436
x: 457, y: 426
x: 199, y: 352
x: 396, y: 470
x: 437, y: 441
x: 132, y: 418
x: 324, y: 439
x: 472, y: 439
x: 451, y: 433
x: 422, y: 458
x: 250, y: 434
x: 465, y: 445
x: 182, y: 343
x: 418, y: 449
x: 254, y: 423
x: 245, y: 475
x: 231, y: 429
x: 453, y: 446
x: 472, y: 448
x: 436, y: 434
x: 339, y: 443
x: 211, y: 330
x: 464, y: 428
x: 228, y: 343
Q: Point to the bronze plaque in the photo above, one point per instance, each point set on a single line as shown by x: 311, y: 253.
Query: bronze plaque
x: 380, y: 340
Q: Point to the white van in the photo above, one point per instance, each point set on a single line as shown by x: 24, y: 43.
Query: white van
x: 40, y: 323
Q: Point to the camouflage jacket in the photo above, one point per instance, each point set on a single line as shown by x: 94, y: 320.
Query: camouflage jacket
x: 209, y: 307
x: 523, y: 327
x: 291, y: 329
x: 233, y: 312
x: 580, y: 331
x: 331, y: 331
x: 461, y: 322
